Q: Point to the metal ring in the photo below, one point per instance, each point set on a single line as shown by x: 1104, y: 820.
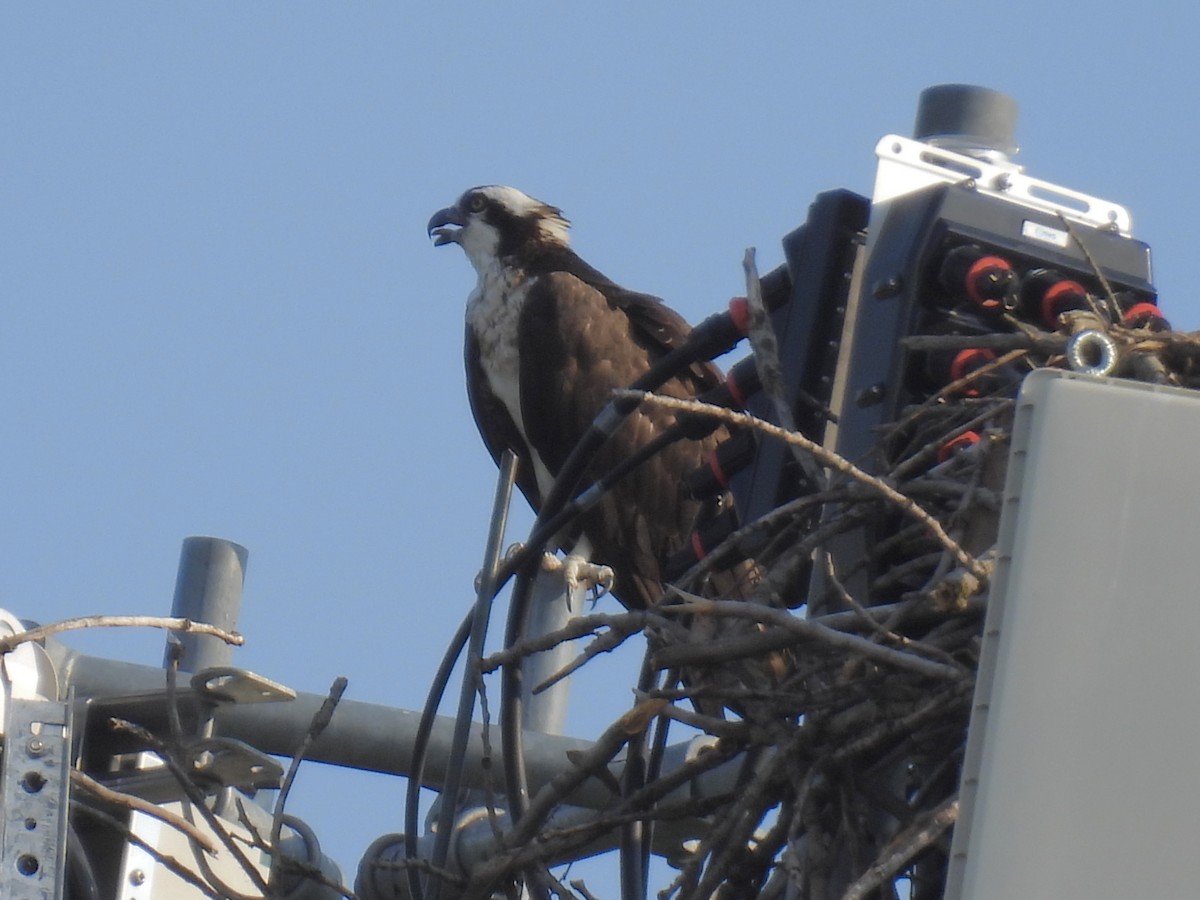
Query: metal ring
x: 1092, y: 352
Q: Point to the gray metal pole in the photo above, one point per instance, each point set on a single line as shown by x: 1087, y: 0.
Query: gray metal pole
x: 364, y: 735
x: 208, y: 589
x: 551, y: 608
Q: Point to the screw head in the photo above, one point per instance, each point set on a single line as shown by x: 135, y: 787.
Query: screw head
x: 137, y: 877
x: 869, y: 396
x: 887, y: 287
x: 35, y: 746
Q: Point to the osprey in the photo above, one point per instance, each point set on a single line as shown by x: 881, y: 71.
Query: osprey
x: 548, y: 339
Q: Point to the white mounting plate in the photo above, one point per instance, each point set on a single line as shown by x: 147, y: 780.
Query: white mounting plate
x: 906, y: 165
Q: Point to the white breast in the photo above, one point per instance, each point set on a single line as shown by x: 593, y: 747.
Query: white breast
x: 493, y: 314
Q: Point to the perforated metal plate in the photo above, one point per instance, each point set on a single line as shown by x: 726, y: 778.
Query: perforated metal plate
x: 33, y: 797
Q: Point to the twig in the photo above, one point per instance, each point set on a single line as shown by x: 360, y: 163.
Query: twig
x: 1091, y: 260
x: 756, y: 644
x: 770, y: 369
x: 86, y: 783
x: 897, y: 724
x: 320, y: 721
x: 709, y: 724
x: 487, y: 755
x: 629, y: 623
x: 41, y: 632
x: 929, y: 451
x: 765, y: 344
x: 880, y: 630
x: 168, y: 862
x: 558, y: 887
x: 604, y: 643
x: 587, y: 763
x: 196, y: 796
x: 825, y: 457
x: 313, y: 873
x: 734, y: 827
x: 949, y: 390
x: 904, y: 847
x: 557, y: 842
x: 809, y: 629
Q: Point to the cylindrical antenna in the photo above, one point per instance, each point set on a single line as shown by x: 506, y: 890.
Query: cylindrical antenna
x: 208, y: 589
x: 975, y: 121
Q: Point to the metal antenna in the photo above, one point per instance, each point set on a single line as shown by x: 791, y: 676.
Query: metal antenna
x: 208, y: 589
x: 968, y: 119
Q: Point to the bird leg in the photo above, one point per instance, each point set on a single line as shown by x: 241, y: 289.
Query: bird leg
x: 578, y: 573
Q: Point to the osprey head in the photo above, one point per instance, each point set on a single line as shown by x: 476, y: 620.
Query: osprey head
x: 496, y: 222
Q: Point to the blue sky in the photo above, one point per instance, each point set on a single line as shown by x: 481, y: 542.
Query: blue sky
x: 223, y: 316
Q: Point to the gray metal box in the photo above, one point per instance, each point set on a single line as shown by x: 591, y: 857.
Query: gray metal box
x: 1082, y: 772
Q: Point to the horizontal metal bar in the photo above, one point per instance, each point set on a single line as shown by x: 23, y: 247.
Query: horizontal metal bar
x: 367, y: 735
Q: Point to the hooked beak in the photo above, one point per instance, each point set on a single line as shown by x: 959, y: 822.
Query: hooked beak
x: 437, y: 226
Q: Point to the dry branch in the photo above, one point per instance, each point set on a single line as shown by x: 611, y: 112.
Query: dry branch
x: 823, y: 456
x: 41, y: 632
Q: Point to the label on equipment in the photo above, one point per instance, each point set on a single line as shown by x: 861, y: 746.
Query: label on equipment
x: 1038, y: 232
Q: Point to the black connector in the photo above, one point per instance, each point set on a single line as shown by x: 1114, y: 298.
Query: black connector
x: 1047, y: 294
x: 985, y: 280
x: 701, y: 543
x: 721, y: 464
x: 1139, y: 313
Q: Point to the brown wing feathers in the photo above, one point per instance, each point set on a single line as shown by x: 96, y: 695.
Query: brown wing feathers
x: 577, y: 346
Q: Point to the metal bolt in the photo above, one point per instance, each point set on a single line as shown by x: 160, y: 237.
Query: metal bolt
x: 871, y: 395
x: 887, y: 287
x: 35, y: 746
x: 137, y: 877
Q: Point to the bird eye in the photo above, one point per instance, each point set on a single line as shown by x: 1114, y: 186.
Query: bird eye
x: 477, y: 203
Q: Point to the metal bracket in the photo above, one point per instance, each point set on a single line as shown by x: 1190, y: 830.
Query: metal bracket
x: 34, y: 781
x: 228, y: 762
x: 227, y: 684
x: 906, y: 165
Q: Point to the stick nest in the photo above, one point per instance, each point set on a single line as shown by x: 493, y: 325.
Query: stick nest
x: 844, y: 681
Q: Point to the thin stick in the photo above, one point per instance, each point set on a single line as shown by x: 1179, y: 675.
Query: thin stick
x: 195, y: 795
x: 958, y: 384
x: 1087, y: 254
x: 904, y: 847
x: 169, y: 862
x: 85, y: 782
x: 41, y: 632
x: 624, y: 623
x: 320, y: 721
x: 880, y: 630
x: 825, y: 457
x: 765, y: 344
x: 810, y: 629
